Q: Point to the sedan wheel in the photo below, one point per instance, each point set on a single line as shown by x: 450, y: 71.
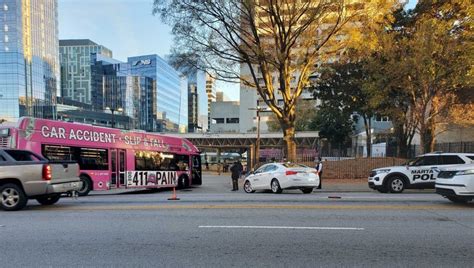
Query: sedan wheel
x: 307, y: 190
x: 248, y: 187
x: 276, y: 189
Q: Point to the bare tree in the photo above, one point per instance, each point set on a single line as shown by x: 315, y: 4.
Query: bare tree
x: 278, y: 42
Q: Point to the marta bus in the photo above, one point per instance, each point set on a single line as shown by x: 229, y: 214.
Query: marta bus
x: 109, y: 158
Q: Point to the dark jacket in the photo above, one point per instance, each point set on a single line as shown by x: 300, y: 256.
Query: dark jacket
x: 236, y: 170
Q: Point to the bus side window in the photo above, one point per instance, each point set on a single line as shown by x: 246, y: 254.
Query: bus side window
x: 93, y: 159
x: 56, y: 152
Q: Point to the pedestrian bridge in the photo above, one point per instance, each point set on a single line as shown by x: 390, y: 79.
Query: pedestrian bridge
x: 304, y: 139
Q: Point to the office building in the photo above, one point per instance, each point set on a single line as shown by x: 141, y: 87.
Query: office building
x: 171, y: 93
x: 224, y: 117
x: 211, y: 96
x: 250, y: 99
x: 75, y: 59
x: 29, y: 63
x: 116, y: 90
x: 198, y: 111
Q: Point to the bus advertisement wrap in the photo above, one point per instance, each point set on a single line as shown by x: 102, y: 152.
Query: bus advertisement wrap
x: 109, y: 158
x: 149, y: 178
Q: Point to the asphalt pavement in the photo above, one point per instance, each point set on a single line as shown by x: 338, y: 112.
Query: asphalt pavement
x: 210, y: 226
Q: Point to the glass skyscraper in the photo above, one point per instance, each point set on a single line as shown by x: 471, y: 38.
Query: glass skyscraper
x: 197, y: 101
x: 75, y: 59
x: 29, y: 62
x: 171, y: 111
x: 114, y: 86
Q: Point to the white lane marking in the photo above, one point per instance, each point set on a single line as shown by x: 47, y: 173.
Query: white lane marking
x: 281, y: 227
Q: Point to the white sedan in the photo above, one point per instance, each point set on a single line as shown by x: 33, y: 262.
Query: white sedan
x: 279, y: 176
x: 456, y: 183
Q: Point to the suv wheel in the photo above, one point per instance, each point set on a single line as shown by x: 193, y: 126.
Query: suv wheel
x: 48, y: 199
x: 396, y: 184
x: 12, y: 197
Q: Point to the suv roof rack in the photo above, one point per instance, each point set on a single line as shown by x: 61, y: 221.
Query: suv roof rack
x: 437, y: 152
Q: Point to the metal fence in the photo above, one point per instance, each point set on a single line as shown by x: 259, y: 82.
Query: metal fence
x: 449, y: 147
x: 343, y: 165
x: 391, y: 150
x: 354, y: 168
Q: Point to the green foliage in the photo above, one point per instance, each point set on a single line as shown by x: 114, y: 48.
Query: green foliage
x: 340, y: 88
x: 333, y: 124
x: 421, y: 65
x: 341, y: 85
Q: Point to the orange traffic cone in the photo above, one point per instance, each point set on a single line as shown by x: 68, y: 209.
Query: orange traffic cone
x: 173, y: 196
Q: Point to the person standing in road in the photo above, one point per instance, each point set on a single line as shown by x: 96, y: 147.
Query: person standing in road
x: 219, y: 166
x: 236, y: 171
x: 319, y: 168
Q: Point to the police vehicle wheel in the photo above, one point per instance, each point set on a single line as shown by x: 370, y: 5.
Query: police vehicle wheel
x: 396, y: 184
x: 458, y: 200
x: 275, y: 185
x: 382, y: 190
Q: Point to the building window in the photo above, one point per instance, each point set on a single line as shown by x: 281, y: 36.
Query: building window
x: 5, y: 7
x: 380, y: 118
x: 232, y: 120
x: 6, y: 38
x: 5, y: 27
x: 219, y: 120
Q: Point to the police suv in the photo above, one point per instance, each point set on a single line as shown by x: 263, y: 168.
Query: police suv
x: 456, y: 183
x: 418, y: 173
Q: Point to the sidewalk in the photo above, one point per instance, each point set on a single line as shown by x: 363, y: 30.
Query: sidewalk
x: 329, y: 185
x: 345, y: 185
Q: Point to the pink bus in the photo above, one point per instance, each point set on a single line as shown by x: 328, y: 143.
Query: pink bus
x: 109, y: 158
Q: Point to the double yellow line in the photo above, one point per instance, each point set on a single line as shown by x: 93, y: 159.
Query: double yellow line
x: 80, y: 207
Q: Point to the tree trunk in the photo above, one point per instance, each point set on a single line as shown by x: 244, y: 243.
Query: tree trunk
x: 427, y: 137
x: 402, y: 141
x: 289, y: 137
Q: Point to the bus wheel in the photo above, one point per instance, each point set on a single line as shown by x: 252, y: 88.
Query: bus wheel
x: 86, y: 186
x: 183, y: 182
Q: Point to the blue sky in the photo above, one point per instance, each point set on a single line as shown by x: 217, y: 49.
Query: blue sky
x: 127, y: 27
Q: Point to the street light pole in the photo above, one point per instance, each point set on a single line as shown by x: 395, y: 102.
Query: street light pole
x: 257, y: 142
x: 112, y: 110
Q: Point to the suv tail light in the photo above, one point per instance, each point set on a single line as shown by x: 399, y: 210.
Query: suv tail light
x: 291, y: 172
x: 47, y: 174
